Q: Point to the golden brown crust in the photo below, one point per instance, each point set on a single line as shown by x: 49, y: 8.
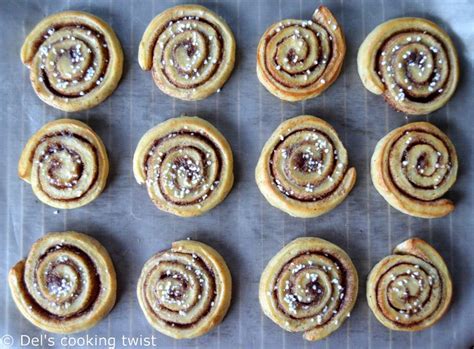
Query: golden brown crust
x: 186, y: 164
x: 66, y: 164
x: 413, y: 167
x: 412, y: 62
x: 309, y: 286
x: 411, y: 289
x: 75, y: 60
x: 190, y: 50
x: 67, y: 283
x: 304, y: 169
x: 297, y: 60
x: 186, y: 291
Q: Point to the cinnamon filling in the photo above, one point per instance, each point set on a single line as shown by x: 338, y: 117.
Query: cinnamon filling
x: 51, y: 279
x: 178, y: 293
x: 293, y: 58
x: 409, y: 298
x: 415, y: 58
x: 74, y: 56
x: 188, y: 171
x: 420, y: 162
x: 191, y: 50
x: 302, y: 164
x: 316, y: 292
x: 78, y: 169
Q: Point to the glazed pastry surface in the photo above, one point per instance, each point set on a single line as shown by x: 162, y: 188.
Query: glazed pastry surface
x: 412, y: 62
x: 186, y: 291
x: 190, y: 51
x: 304, y: 168
x: 186, y: 165
x: 413, y: 167
x: 309, y: 286
x: 66, y: 164
x: 299, y: 59
x: 411, y: 289
x: 66, y: 284
x: 75, y: 60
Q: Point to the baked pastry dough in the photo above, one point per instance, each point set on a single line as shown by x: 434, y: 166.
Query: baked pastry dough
x: 412, y: 62
x: 304, y: 168
x: 297, y: 59
x: 310, y: 286
x: 185, y: 292
x: 66, y: 284
x: 66, y: 164
x: 75, y: 60
x: 190, y: 51
x: 411, y: 289
x: 413, y: 167
x: 186, y: 164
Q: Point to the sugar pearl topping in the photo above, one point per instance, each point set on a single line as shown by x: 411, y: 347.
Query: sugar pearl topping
x: 308, y: 164
x: 184, y: 167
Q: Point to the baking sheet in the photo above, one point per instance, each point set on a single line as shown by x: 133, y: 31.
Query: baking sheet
x: 245, y: 229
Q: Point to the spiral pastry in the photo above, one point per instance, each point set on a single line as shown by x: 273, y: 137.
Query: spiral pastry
x: 75, y: 60
x: 185, y: 292
x: 412, y: 62
x: 66, y: 164
x: 190, y: 51
x: 297, y: 60
x: 304, y: 168
x: 411, y: 289
x: 186, y: 164
x: 310, y: 286
x: 67, y: 283
x: 413, y: 167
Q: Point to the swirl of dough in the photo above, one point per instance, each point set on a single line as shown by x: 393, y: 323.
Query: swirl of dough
x: 304, y: 168
x: 412, y: 62
x: 310, y: 286
x: 66, y: 164
x: 413, y: 167
x: 185, y: 292
x: 411, y: 289
x: 75, y: 60
x: 297, y: 60
x: 67, y: 283
x: 186, y: 165
x: 190, y: 50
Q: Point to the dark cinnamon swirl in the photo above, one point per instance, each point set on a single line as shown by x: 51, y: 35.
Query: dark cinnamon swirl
x: 186, y: 164
x: 75, y: 60
x: 413, y: 167
x: 185, y: 292
x: 66, y: 164
x: 304, y: 168
x: 190, y: 50
x: 411, y: 289
x: 412, y: 62
x: 297, y: 59
x: 66, y: 284
x: 310, y: 286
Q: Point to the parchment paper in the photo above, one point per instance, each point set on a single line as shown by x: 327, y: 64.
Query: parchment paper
x: 245, y: 229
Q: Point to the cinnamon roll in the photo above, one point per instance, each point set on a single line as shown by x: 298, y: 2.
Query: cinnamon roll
x: 411, y: 289
x: 66, y: 284
x: 413, y: 167
x: 185, y: 292
x: 190, y: 51
x: 304, y: 168
x: 66, y: 164
x: 75, y: 60
x: 310, y: 286
x: 297, y: 59
x: 186, y: 164
x: 412, y: 62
